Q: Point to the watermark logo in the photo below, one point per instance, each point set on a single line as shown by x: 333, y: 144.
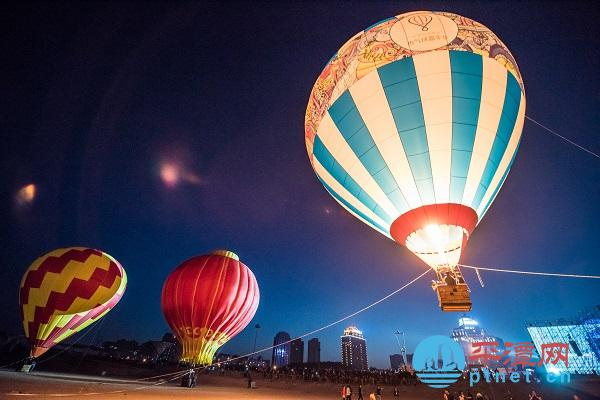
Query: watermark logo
x: 520, y: 353
x: 438, y: 361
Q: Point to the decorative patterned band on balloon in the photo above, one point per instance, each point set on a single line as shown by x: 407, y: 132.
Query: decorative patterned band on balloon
x: 226, y: 253
x: 433, y: 214
x: 396, y: 38
x: 199, y: 345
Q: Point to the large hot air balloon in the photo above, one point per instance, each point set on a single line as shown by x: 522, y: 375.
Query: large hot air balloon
x: 66, y: 290
x: 206, y: 301
x: 412, y: 127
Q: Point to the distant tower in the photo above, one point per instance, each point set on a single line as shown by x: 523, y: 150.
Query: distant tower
x: 297, y: 351
x: 354, y: 349
x: 314, y: 351
x: 469, y: 332
x: 281, y: 352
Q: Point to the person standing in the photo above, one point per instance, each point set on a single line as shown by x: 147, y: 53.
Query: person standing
x: 396, y: 392
x: 348, y: 392
x: 534, y: 396
x: 191, y: 378
x: 378, y: 392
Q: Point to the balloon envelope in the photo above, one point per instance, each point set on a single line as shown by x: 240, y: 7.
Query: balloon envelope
x: 66, y: 290
x: 413, y: 126
x: 207, y: 300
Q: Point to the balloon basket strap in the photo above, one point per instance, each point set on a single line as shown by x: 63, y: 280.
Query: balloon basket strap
x: 453, y: 272
x: 479, y: 277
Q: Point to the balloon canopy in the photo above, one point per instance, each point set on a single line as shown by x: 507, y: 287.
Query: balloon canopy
x: 413, y: 125
x: 66, y: 290
x: 207, y: 300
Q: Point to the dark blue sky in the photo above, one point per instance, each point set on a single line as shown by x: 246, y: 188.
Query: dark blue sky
x: 96, y: 96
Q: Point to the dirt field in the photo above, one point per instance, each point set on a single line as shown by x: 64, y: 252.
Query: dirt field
x: 46, y: 385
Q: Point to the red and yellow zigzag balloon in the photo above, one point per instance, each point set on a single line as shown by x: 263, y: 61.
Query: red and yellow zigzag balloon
x: 66, y: 290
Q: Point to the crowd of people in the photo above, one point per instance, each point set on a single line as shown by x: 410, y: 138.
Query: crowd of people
x: 447, y: 395
x: 361, y: 385
x: 339, y: 376
x: 374, y: 395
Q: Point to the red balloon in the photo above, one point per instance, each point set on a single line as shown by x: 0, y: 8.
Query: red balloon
x: 208, y: 300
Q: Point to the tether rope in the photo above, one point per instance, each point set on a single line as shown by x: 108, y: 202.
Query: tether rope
x: 513, y: 271
x: 562, y: 137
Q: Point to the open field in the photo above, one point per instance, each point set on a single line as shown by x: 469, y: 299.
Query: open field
x: 48, y: 385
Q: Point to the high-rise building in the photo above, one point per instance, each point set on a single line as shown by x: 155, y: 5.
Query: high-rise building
x: 409, y: 358
x: 314, y: 351
x: 396, y: 361
x: 469, y: 332
x: 297, y: 351
x: 281, y: 351
x: 582, y: 333
x: 354, y: 349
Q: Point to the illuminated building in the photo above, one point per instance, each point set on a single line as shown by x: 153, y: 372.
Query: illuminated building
x: 354, y: 349
x: 582, y: 333
x: 468, y: 332
x: 281, y: 351
x: 297, y: 351
x: 314, y: 351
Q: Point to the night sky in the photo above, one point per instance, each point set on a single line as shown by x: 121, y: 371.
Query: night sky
x: 102, y: 103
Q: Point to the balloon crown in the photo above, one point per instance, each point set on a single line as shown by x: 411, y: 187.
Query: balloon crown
x: 226, y: 253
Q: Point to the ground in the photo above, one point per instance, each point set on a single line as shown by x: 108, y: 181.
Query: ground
x: 49, y: 385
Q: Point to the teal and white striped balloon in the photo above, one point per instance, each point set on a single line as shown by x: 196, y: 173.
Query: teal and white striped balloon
x: 413, y: 126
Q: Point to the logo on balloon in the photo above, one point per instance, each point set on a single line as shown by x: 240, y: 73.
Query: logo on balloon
x: 421, y: 20
x: 424, y: 31
x: 438, y: 361
x: 206, y: 333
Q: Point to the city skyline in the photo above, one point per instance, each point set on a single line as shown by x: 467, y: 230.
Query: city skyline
x: 288, y: 351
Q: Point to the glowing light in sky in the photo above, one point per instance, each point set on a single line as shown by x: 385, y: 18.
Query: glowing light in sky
x: 172, y: 174
x: 26, y: 194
